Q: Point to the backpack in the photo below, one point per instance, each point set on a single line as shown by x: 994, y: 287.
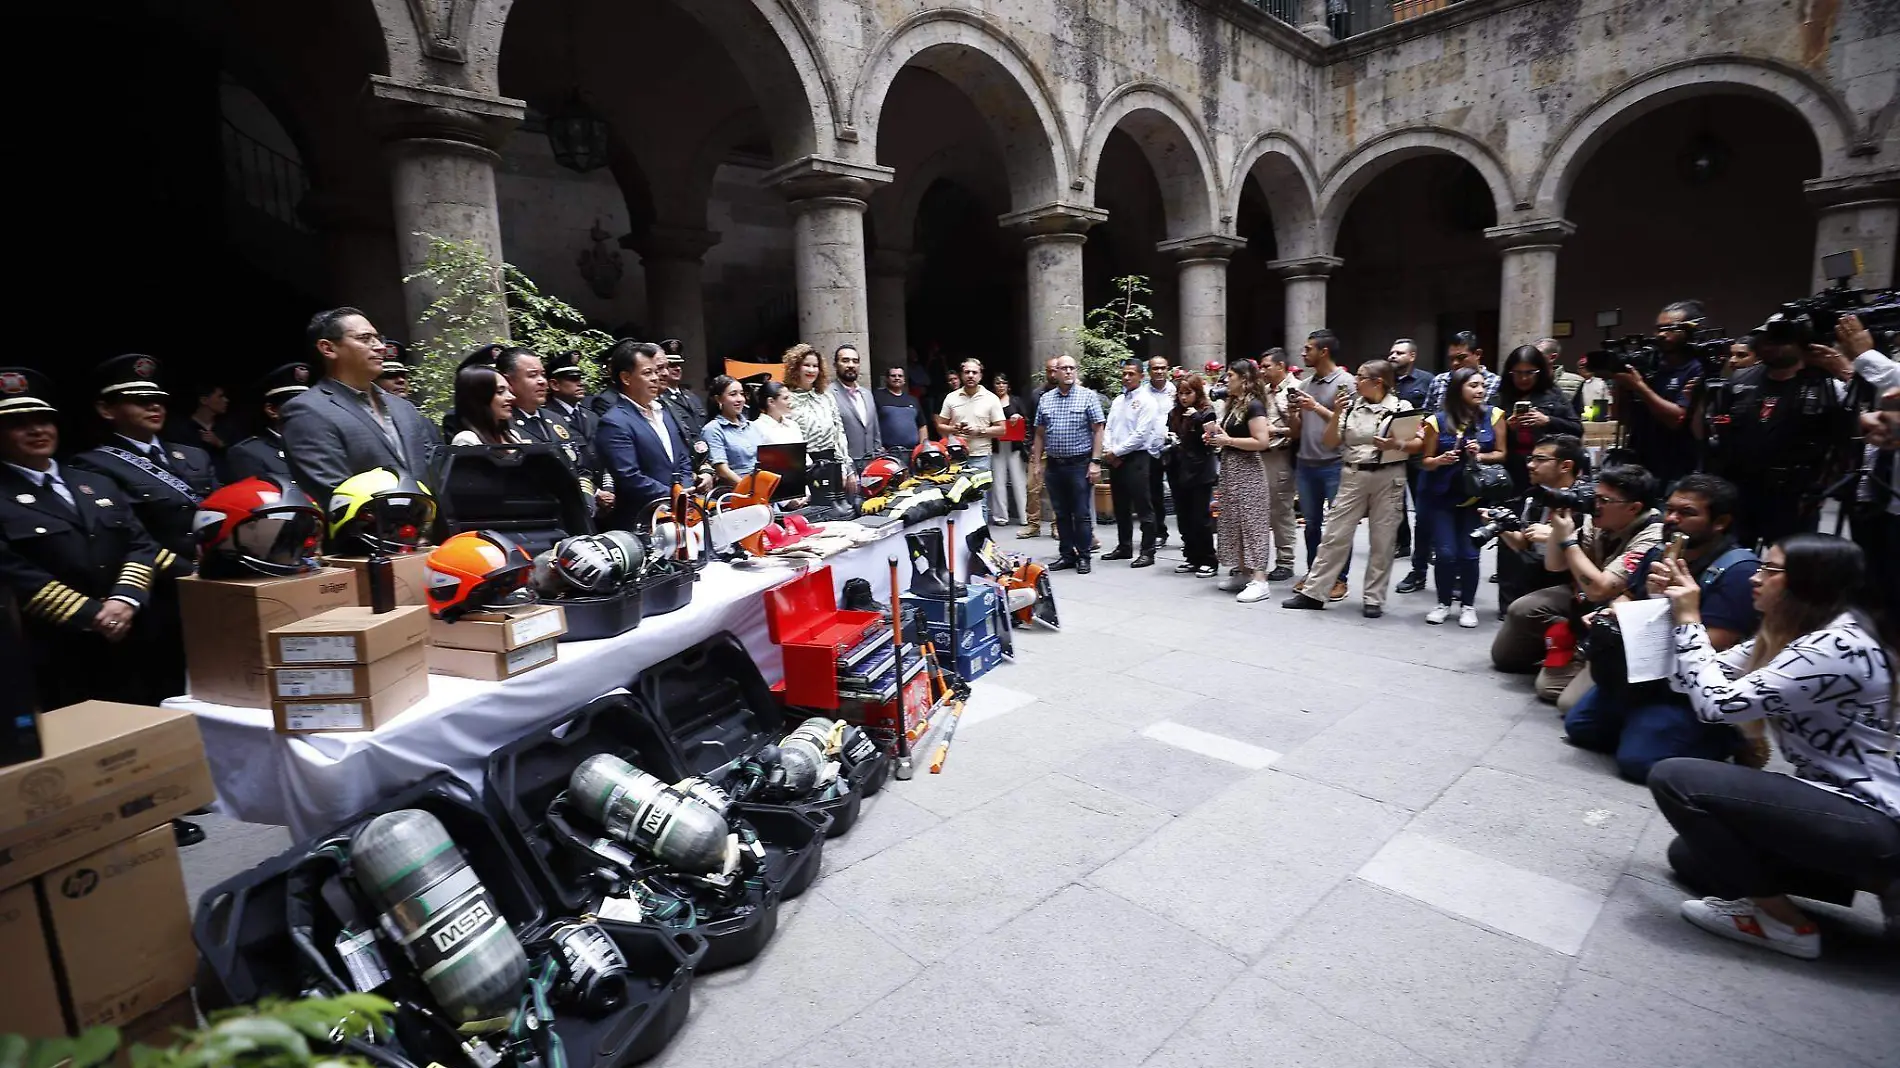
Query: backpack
x: 1603, y: 645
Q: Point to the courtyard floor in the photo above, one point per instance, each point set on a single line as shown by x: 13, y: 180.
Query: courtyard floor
x: 1185, y: 831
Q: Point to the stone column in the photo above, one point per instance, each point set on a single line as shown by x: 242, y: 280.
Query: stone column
x: 1305, y: 280
x: 1857, y: 213
x: 1528, y: 300
x: 672, y: 257
x: 890, y: 332
x: 1053, y: 235
x: 441, y: 145
x: 828, y: 201
x: 1203, y: 280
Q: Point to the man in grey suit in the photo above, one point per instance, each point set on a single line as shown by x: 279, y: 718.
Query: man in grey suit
x: 344, y: 425
x: 862, y: 437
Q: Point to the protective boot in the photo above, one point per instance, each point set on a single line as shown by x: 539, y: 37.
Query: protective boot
x: 930, y: 572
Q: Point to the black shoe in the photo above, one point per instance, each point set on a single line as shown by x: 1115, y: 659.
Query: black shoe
x: 1120, y: 552
x: 1063, y: 563
x: 1183, y: 568
x: 187, y: 834
x: 1500, y: 613
x: 1163, y: 540
x: 1493, y: 579
x: 1144, y: 560
x: 1084, y: 566
x: 1372, y: 611
x: 1412, y: 583
x: 1279, y: 574
x: 1302, y: 601
x: 1400, y: 552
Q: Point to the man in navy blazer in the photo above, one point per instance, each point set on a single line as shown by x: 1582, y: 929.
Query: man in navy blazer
x: 638, y: 440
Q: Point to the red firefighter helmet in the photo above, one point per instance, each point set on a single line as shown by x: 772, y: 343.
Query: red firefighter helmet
x: 880, y: 475
x: 258, y: 525
x: 928, y: 458
x: 478, y: 569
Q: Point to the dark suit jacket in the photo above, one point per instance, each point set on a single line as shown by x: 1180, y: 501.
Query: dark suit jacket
x: 167, y: 515
x: 862, y: 439
x: 686, y: 410
x: 261, y: 455
x: 62, y: 563
x: 642, y: 474
x: 330, y: 436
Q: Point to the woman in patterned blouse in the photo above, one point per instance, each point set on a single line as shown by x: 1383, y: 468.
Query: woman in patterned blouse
x: 1817, y: 672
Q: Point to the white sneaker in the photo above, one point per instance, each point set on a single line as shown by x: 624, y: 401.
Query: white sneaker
x: 1232, y: 584
x: 1742, y: 921
x: 1256, y: 591
x: 1437, y: 616
x: 1468, y: 618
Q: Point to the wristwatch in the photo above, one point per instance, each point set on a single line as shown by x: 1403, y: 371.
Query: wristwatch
x: 1567, y: 543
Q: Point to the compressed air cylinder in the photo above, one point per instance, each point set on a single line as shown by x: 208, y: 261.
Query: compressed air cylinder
x: 706, y: 793
x: 856, y: 747
x: 649, y: 815
x: 802, y: 754
x: 439, y: 911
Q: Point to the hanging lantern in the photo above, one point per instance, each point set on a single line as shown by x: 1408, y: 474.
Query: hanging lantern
x: 577, y: 136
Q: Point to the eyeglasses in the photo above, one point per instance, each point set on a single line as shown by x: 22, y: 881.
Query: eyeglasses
x: 1772, y: 569
x: 1602, y: 500
x: 370, y: 338
x: 1535, y: 458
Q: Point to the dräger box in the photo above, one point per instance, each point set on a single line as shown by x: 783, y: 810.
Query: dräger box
x: 493, y: 667
x: 109, y: 771
x: 227, y: 626
x: 501, y: 631
x: 318, y: 714
x: 348, y: 680
x: 412, y: 575
x: 353, y: 635
x: 121, y: 929
x: 31, y: 1004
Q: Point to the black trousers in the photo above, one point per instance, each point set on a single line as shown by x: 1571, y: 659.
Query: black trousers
x: 1130, y: 486
x: 1067, y: 481
x: 1193, y: 513
x: 1877, y: 532
x: 1748, y: 833
x: 1766, y: 514
x: 1158, y: 497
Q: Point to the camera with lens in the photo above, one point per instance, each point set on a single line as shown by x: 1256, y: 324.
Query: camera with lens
x: 1578, y: 498
x: 1217, y: 392
x: 1496, y: 521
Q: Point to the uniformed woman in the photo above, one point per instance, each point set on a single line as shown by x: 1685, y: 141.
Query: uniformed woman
x: 264, y: 454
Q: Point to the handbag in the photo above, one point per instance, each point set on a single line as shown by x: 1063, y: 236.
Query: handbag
x: 1486, y: 484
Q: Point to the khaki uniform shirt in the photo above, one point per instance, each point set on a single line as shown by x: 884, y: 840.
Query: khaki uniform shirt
x: 1365, y: 421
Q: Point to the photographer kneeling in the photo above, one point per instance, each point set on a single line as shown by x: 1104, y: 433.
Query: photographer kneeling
x: 1643, y: 723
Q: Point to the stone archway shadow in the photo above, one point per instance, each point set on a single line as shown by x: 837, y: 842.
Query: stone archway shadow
x: 1286, y: 175
x: 1176, y: 147
x: 1382, y: 153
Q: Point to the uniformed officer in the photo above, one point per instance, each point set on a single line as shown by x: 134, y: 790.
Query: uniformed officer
x: 264, y: 454
x: 164, y: 481
x: 566, y: 406
x: 394, y: 377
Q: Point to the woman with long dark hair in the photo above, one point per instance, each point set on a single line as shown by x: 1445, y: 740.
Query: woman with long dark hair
x: 1243, y: 433
x: 484, y: 408
x: 1816, y: 671
x: 732, y: 441
x: 1464, y: 426
x: 1534, y: 409
x: 1192, y: 471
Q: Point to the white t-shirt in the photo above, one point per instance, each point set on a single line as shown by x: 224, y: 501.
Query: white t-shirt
x: 982, y: 409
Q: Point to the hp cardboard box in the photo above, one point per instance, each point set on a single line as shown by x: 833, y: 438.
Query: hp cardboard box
x: 31, y: 1004
x: 493, y: 667
x: 320, y: 714
x: 501, y: 631
x: 412, y: 575
x: 121, y: 929
x: 227, y: 627
x: 351, y: 635
x: 110, y: 771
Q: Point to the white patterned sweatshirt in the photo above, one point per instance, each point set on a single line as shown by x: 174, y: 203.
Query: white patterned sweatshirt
x: 1828, y: 695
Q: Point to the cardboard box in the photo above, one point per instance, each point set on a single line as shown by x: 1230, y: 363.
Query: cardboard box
x: 157, y: 1028
x: 110, y: 771
x: 227, y: 626
x: 412, y: 576
x: 500, y: 631
x: 493, y: 667
x: 351, y: 713
x: 353, y: 635
x: 31, y: 1004
x: 121, y: 929
x: 348, y: 680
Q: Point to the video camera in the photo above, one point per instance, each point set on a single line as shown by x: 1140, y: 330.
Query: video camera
x: 1813, y: 319
x: 1644, y: 352
x: 1579, y: 498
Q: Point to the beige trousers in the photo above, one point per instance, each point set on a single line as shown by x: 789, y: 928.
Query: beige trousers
x: 1378, y: 495
x: 1280, y: 493
x: 1032, y: 509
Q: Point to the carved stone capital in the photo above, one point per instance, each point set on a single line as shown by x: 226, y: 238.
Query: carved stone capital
x: 1853, y: 189
x: 819, y: 178
x: 1305, y: 267
x: 1054, y: 220
x: 1531, y: 234
x: 1203, y: 247
x: 434, y: 117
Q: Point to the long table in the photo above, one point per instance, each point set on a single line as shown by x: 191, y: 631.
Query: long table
x: 310, y: 782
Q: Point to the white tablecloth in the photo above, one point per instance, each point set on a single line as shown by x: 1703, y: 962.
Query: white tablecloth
x: 310, y: 782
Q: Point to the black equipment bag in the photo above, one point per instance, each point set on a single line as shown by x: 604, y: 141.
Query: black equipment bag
x: 528, y: 492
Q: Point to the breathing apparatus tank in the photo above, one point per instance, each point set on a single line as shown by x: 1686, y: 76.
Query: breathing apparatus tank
x: 802, y: 755
x: 644, y: 812
x: 437, y: 909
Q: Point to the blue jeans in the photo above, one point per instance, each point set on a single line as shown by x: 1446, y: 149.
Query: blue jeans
x: 973, y: 464
x: 1421, y: 519
x: 1645, y: 728
x: 1069, y: 493
x: 1456, y: 557
x: 1317, y: 482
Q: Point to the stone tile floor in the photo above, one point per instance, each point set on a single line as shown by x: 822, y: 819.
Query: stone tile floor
x: 1186, y: 832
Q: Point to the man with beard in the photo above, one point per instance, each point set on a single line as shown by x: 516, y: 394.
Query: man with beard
x: 1780, y: 431
x: 1646, y: 722
x: 862, y: 437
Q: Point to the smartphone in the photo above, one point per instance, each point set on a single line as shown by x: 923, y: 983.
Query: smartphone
x: 1677, y: 543
x: 1521, y: 408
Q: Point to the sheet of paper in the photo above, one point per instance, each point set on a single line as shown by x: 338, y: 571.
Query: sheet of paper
x: 1401, y: 428
x: 1649, y: 638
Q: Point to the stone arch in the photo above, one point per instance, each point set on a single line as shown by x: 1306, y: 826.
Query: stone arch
x: 1286, y: 175
x: 972, y: 52
x: 770, y: 41
x: 1176, y: 148
x: 1380, y: 154
x: 1833, y: 125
